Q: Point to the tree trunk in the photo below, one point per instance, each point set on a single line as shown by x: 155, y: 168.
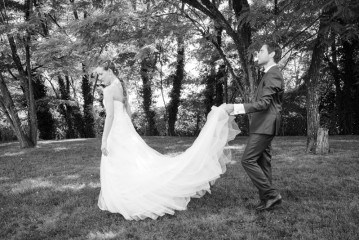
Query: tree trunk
x: 312, y: 80
x: 322, y: 141
x: 220, y: 84
x: 65, y: 108
x: 8, y: 107
x: 176, y: 88
x: 313, y: 117
x: 89, y: 121
x: 146, y: 68
x: 243, y: 40
x: 210, y: 89
x: 31, y: 104
x: 46, y: 123
x: 333, y: 66
x: 225, y: 85
x: 25, y: 82
x: 71, y: 112
x: 349, y: 81
x: 221, y: 69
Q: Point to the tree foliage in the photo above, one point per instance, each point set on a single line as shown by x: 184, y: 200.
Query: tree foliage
x: 178, y: 58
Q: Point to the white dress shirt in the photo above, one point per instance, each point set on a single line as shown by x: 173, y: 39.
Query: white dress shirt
x: 239, y: 108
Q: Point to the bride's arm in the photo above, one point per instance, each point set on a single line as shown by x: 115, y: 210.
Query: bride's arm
x: 108, y: 98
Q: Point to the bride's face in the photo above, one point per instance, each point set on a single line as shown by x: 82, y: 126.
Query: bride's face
x: 106, y: 76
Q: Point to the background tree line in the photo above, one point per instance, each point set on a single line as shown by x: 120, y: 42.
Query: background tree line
x: 179, y: 57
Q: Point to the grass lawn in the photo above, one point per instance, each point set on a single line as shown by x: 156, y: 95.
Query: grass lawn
x: 50, y: 192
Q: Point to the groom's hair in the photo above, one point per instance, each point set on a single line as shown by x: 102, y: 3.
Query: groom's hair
x: 274, y: 47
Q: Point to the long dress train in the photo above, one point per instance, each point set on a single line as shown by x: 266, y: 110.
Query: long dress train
x: 139, y: 182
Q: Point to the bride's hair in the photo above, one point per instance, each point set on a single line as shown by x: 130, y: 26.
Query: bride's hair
x: 109, y: 65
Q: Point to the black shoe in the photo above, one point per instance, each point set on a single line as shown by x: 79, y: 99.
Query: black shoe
x: 270, y: 203
x: 260, y: 205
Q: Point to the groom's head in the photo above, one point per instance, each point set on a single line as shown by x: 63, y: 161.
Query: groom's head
x: 269, y: 52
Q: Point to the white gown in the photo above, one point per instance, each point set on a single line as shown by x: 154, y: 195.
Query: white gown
x: 139, y: 182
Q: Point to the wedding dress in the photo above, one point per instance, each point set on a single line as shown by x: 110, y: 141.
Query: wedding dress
x: 139, y: 182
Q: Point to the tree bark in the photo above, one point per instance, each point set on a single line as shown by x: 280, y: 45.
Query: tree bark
x: 25, y: 81
x: 65, y: 110
x: 147, y: 65
x: 177, y: 86
x: 31, y: 104
x: 322, y: 141
x: 333, y: 66
x: 71, y: 112
x: 312, y: 80
x: 219, y: 99
x: 349, y: 81
x: 89, y: 121
x: 45, y: 120
x: 8, y: 106
x: 221, y: 82
x: 210, y: 89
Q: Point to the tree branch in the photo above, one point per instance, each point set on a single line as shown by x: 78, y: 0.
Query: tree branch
x: 300, y: 33
x: 296, y: 45
x: 225, y: 59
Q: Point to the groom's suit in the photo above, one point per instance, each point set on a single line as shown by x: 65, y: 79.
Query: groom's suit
x: 264, y: 125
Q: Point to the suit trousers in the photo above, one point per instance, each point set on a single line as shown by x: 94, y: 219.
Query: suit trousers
x: 256, y: 161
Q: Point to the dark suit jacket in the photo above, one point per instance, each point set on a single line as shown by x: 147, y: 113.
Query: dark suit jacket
x: 267, y: 105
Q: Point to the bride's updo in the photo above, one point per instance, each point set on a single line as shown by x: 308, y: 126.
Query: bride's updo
x: 109, y: 65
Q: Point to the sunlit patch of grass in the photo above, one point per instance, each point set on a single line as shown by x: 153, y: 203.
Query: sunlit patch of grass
x: 40, y: 183
x: 51, y: 191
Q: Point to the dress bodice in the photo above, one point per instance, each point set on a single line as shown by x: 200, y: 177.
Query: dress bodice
x: 118, y: 105
x: 119, y: 110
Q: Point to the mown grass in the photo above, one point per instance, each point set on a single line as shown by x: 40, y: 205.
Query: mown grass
x: 50, y: 192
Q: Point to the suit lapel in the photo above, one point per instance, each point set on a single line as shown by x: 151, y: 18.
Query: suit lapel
x: 259, y: 87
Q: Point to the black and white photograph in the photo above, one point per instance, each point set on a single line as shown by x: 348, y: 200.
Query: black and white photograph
x: 179, y: 119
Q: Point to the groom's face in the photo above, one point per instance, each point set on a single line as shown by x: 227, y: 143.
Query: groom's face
x: 263, y: 56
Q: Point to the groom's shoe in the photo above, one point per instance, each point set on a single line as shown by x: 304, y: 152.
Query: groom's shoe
x: 260, y: 205
x: 270, y: 203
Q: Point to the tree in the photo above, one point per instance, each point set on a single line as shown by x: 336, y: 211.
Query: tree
x: 329, y: 20
x: 46, y: 123
x: 240, y: 33
x: 20, y: 36
x: 148, y: 63
x: 341, y: 58
x: 312, y: 79
x: 8, y: 107
x: 177, y: 80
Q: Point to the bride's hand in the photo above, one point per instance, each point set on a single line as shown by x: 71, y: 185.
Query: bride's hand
x: 104, y: 149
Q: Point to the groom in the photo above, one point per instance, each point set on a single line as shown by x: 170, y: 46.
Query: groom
x: 264, y: 125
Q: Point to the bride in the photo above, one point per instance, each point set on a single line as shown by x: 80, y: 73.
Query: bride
x: 139, y: 182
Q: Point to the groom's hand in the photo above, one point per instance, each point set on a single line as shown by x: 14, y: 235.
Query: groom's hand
x: 235, y: 109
